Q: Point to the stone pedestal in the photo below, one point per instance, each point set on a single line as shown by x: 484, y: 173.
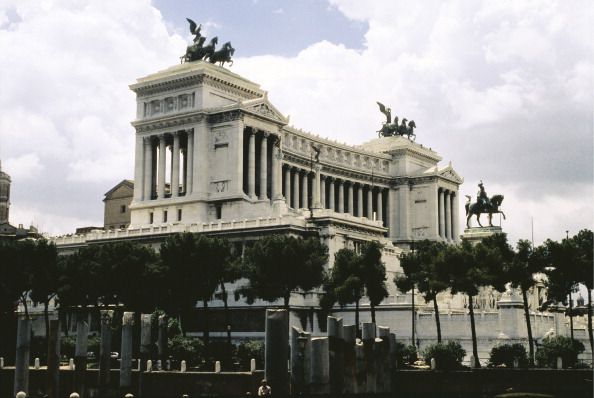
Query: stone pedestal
x: 476, y: 234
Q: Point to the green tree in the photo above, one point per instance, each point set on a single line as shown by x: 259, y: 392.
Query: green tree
x: 373, y: 274
x: 10, y: 292
x: 277, y: 265
x: 585, y: 268
x: 521, y: 272
x: 421, y: 270
x: 45, y: 275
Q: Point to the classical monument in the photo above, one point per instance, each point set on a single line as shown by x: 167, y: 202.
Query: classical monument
x: 213, y: 155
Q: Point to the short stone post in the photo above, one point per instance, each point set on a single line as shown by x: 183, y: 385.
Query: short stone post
x: 559, y: 363
x: 349, y: 370
x: 433, y: 364
x: 105, y: 351
x: 149, y: 365
x: 126, y: 353
x: 183, y: 366
x: 23, y: 350
x: 516, y: 363
x: 277, y: 350
x: 252, y: 365
x: 336, y: 354
x: 53, y: 359
x: 36, y: 363
x: 217, y: 367
x: 162, y: 337
x: 21, y: 394
x: 80, y: 356
x: 1, y: 362
x: 71, y: 365
x: 159, y: 365
x: 382, y: 351
x: 368, y: 337
x: 74, y: 395
x: 320, y: 365
x: 145, y: 348
x: 473, y: 362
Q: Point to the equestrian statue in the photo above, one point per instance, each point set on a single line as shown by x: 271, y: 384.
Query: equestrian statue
x: 483, y: 204
x: 198, y: 51
x: 391, y: 128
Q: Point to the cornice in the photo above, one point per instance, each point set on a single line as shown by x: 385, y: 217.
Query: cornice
x: 168, y: 122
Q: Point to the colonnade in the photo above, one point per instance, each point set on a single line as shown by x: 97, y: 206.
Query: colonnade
x: 261, y: 165
x: 447, y: 214
x: 304, y: 188
x: 155, y: 168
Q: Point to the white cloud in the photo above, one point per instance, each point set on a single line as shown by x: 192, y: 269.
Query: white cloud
x: 24, y: 167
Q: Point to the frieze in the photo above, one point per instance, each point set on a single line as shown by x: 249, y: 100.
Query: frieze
x: 167, y: 123
x: 163, y: 87
x: 224, y: 117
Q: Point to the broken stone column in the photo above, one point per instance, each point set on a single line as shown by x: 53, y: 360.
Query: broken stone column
x: 277, y: 350
x: 80, y: 356
x: 23, y: 351
x: 145, y: 348
x: 382, y: 354
x: 300, y: 361
x: 126, y: 353
x: 336, y: 354
x: 53, y: 359
x: 361, y: 369
x: 162, y: 337
x: 368, y: 337
x: 320, y: 366
x: 105, y: 351
x: 349, y: 369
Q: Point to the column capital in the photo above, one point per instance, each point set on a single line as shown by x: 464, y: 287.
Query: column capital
x: 265, y: 133
x: 323, y: 176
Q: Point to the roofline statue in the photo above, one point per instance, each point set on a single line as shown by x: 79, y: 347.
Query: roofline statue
x: 391, y: 128
x: 483, y: 204
x: 199, y: 52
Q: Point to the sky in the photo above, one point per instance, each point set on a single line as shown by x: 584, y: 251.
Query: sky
x: 504, y: 90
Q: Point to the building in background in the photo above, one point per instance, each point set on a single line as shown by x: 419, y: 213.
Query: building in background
x: 117, y: 206
x: 8, y: 231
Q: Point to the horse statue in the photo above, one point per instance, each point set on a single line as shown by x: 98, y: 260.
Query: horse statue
x: 492, y: 207
x: 223, y: 55
x: 410, y: 130
x: 196, y: 52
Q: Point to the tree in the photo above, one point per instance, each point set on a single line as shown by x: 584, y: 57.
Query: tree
x: 45, y: 275
x: 228, y: 268
x: 344, y: 284
x: 10, y: 291
x: 471, y: 267
x: 277, y: 265
x: 521, y: 272
x: 373, y: 274
x: 421, y: 270
x: 585, y: 269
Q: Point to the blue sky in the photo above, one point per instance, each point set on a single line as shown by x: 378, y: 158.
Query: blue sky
x: 503, y: 90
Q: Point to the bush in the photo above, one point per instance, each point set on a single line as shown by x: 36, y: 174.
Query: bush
x: 248, y: 350
x: 186, y: 349
x: 559, y: 346
x: 447, y: 356
x: 405, y: 354
x: 505, y: 354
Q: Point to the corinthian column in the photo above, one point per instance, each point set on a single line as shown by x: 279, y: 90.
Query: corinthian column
x: 175, y: 166
x: 304, y: 191
x: 276, y: 174
x: 295, y: 200
x: 263, y: 166
x: 148, y: 168
x: 455, y: 220
x: 350, y: 200
x: 359, y: 200
x: 331, y: 198
x: 448, y: 216
x: 162, y: 168
x: 316, y: 188
x: 440, y: 200
x: 251, y: 164
x: 288, y: 185
x: 323, y: 191
x: 380, y: 205
x: 189, y: 162
x: 370, y: 202
x: 341, y: 196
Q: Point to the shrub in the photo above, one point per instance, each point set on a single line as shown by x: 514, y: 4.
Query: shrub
x: 405, y: 354
x: 559, y: 346
x: 248, y: 350
x: 186, y: 349
x: 447, y: 356
x: 505, y: 354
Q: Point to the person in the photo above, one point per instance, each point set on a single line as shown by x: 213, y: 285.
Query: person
x: 481, y: 196
x: 264, y: 389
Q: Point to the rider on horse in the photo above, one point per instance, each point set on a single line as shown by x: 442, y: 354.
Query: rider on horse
x: 481, y: 197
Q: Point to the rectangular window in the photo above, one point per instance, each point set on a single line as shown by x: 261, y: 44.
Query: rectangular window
x: 219, y: 211
x: 164, y: 215
x: 179, y: 214
x: 122, y: 208
x: 151, y: 217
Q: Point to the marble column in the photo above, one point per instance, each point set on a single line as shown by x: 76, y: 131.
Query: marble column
x: 350, y: 200
x: 251, y: 164
x: 370, y: 202
x: 359, y: 200
x: 139, y: 151
x: 316, y: 203
x: 175, y: 166
x: 455, y: 220
x: 403, y: 211
x: 148, y: 168
x: 441, y: 215
x: 275, y: 188
x: 295, y: 201
x: 331, y: 192
x: 304, y: 190
x: 341, y: 196
x: 448, y: 216
x: 189, y: 162
x: 162, y: 167
x: 380, y: 205
x: 264, y: 166
x: 288, y: 185
x: 323, y: 191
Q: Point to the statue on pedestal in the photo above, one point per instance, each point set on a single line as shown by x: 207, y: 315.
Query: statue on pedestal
x: 198, y: 51
x: 391, y: 128
x: 483, y: 204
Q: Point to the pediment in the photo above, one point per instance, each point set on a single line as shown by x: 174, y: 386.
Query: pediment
x: 263, y: 107
x: 450, y: 174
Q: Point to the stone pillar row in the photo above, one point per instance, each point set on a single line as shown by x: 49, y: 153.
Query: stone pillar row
x: 152, y: 167
x: 447, y: 214
x: 333, y: 193
x: 263, y: 162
